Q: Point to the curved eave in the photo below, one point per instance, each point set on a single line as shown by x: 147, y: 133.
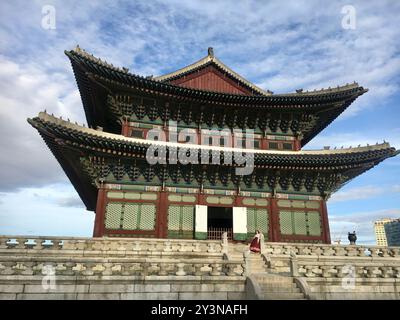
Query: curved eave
x: 68, y: 161
x: 108, y: 143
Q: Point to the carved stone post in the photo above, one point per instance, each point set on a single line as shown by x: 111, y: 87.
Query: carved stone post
x: 214, y: 269
x: 181, y: 269
x: 198, y: 271
x: 230, y: 269
x: 163, y: 269
x: 246, y: 263
x: 294, y: 268
x: 225, y: 243
x: 262, y: 244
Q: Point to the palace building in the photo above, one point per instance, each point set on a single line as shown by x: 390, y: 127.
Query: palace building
x: 185, y: 181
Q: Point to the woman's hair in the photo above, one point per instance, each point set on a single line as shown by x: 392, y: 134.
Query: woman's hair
x: 258, y: 231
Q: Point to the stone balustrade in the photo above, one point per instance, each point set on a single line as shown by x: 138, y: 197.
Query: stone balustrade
x: 334, y: 268
x: 285, y: 249
x: 184, y: 245
x: 106, y: 245
x: 116, y: 266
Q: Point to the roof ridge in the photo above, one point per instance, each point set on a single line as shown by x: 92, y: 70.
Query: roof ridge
x: 338, y: 88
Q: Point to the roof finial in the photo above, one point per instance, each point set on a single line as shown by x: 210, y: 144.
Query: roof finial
x: 211, y: 52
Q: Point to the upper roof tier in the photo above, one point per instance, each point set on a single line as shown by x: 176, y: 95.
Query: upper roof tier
x: 100, y: 82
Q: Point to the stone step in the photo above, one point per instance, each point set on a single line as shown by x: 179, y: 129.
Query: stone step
x: 258, y: 264
x: 274, y: 289
x: 282, y: 296
x: 274, y: 279
x: 359, y: 288
x: 259, y: 261
x: 277, y: 285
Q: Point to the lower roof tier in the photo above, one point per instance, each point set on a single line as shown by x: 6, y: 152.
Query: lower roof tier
x: 90, y: 157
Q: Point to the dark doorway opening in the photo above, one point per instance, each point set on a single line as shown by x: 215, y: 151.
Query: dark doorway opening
x: 219, y: 220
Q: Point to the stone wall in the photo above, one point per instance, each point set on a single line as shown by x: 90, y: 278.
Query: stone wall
x: 86, y: 268
x: 157, y: 269
x: 338, y: 272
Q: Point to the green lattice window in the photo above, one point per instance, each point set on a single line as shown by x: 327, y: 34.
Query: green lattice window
x: 314, y: 223
x: 286, y: 222
x: 300, y: 223
x: 130, y: 216
x: 257, y: 219
x: 113, y: 216
x: 180, y: 221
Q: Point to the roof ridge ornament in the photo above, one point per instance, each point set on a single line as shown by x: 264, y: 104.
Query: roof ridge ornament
x: 210, y: 52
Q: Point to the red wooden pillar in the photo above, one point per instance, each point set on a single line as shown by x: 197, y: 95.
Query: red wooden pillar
x: 98, y: 230
x: 325, y: 223
x: 264, y: 143
x: 274, y: 220
x: 125, y: 128
x: 297, y: 144
x: 162, y: 218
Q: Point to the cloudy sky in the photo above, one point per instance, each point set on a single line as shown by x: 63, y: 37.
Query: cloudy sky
x: 280, y: 46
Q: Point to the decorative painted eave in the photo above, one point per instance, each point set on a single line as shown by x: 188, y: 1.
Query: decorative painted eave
x: 338, y: 158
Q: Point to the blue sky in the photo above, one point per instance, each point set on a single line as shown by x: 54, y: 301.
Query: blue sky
x: 280, y: 46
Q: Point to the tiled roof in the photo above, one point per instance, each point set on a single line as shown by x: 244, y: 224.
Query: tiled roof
x: 103, y: 70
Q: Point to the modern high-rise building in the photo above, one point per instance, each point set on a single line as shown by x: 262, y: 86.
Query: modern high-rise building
x: 392, y: 230
x: 380, y: 233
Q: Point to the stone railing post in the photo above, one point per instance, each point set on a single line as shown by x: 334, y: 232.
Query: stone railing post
x: 294, y: 267
x: 197, y: 268
x: 214, y: 269
x: 230, y: 269
x: 181, y: 269
x: 247, y: 270
x: 225, y: 248
x: 262, y: 244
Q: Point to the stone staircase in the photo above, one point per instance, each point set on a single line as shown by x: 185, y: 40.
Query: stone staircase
x: 272, y: 285
x: 276, y: 287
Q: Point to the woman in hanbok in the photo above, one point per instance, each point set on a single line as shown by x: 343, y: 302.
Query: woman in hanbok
x: 255, y: 245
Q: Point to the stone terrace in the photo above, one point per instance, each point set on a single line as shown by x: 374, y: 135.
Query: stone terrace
x: 122, y: 268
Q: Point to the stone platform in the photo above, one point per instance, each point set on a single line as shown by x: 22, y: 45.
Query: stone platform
x: 122, y: 268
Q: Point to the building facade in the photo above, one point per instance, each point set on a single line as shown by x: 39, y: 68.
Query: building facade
x: 392, y: 231
x: 200, y: 151
x: 380, y: 232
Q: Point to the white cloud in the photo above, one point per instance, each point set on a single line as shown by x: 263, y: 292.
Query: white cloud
x: 365, y: 192
x: 361, y: 222
x: 42, y: 211
x: 24, y: 91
